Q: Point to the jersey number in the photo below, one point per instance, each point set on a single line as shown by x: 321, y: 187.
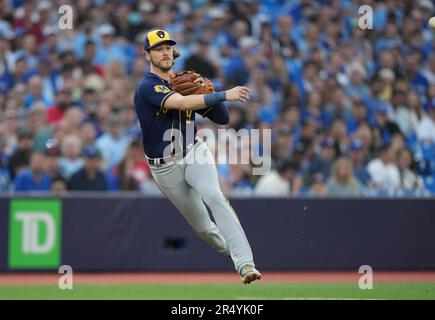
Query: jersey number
x: 188, y: 116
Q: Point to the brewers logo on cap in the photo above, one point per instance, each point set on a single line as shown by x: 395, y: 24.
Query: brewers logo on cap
x: 156, y: 37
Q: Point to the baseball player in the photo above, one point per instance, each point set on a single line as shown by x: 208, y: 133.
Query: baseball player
x: 183, y: 167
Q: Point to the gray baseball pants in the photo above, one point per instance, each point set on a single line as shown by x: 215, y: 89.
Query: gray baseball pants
x: 190, y: 181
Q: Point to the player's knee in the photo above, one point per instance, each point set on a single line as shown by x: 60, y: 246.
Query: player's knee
x: 218, y: 243
x: 203, y: 233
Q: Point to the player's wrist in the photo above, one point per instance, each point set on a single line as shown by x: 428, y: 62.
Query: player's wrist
x: 214, y: 98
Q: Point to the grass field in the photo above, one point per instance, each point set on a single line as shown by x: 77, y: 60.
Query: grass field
x: 404, y: 290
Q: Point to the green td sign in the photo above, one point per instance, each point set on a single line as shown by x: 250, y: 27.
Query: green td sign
x: 34, y: 233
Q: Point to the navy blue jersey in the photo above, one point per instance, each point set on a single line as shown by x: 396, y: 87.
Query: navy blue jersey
x: 166, y: 131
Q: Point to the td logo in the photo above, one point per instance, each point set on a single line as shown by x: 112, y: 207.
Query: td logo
x: 34, y: 233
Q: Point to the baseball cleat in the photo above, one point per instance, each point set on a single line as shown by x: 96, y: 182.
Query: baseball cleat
x: 248, y: 274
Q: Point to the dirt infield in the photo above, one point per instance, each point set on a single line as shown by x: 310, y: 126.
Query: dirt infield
x: 212, y: 277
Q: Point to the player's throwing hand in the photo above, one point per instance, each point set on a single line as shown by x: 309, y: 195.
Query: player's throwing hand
x: 238, y: 93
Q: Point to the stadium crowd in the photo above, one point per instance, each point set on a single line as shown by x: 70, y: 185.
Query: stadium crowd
x: 351, y: 111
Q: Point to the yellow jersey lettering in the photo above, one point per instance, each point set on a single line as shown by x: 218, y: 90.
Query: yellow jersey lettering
x: 161, y: 88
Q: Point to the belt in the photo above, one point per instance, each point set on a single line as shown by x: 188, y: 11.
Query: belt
x: 166, y: 160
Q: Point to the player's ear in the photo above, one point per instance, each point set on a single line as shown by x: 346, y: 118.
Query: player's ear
x: 175, y: 53
x: 146, y: 54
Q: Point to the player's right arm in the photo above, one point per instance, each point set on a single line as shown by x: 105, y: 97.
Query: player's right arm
x: 199, y: 101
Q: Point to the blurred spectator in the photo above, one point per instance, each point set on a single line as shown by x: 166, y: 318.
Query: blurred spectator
x: 35, y: 92
x: 49, y: 46
x: 397, y: 143
x: 240, y: 180
x: 35, y: 122
x: 108, y: 49
x: 89, y: 101
x: 28, y: 48
x: 383, y: 169
x: 357, y: 156
x: 34, y: 178
x: 413, y: 61
x: 56, y: 112
x: 114, y: 143
x: 277, y: 183
x: 397, y: 102
x: 322, y: 162
x: 282, y: 144
x: 314, y: 108
x: 338, y: 133
x: 88, y: 60
x: 309, y: 131
x: 342, y: 181
x: 409, y: 179
x: 49, y: 79
x: 9, y: 128
x: 131, y: 122
x: 429, y: 71
x: 318, y: 187
x: 200, y: 61
x: 339, y: 107
x: 387, y: 79
x: 133, y: 171
x: 89, y: 178
x: 88, y: 134
x: 356, y: 88
x: 261, y: 91
x: 4, y: 174
x: 51, y: 161
x: 291, y: 119
x: 72, y: 121
x: 364, y: 133
x: 70, y: 162
x: 415, y: 112
x: 59, y: 186
x: 426, y: 127
x: 400, y: 114
x: 384, y: 129
x: 20, y: 159
x: 277, y: 74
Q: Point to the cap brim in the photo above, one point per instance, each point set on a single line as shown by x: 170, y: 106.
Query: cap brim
x: 171, y: 42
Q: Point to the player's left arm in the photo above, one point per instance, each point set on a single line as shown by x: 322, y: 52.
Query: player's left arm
x: 217, y: 113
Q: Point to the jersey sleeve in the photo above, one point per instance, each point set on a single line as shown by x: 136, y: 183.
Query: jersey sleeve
x: 152, y: 93
x: 217, y: 113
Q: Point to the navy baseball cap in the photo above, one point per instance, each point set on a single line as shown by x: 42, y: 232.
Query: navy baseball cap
x: 157, y: 37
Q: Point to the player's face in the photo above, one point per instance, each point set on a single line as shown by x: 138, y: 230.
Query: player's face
x: 162, y: 57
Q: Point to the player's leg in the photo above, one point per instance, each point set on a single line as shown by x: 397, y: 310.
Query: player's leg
x: 197, y: 215
x: 170, y: 179
x: 201, y: 174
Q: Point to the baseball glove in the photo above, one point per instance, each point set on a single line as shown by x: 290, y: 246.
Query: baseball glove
x: 184, y: 83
